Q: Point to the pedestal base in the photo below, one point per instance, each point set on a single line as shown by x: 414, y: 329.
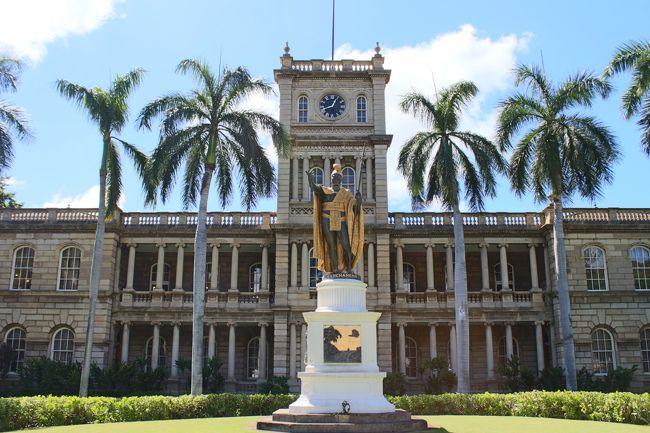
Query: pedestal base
x: 393, y: 422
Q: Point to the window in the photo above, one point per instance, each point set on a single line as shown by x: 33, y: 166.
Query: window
x: 645, y: 349
x: 497, y: 277
x: 69, y: 268
x: 21, y: 275
x: 408, y: 277
x: 602, y: 351
x: 15, y: 338
x: 502, y: 349
x: 303, y: 109
x: 317, y: 174
x: 315, y: 276
x: 640, y: 257
x: 595, y: 268
x: 348, y: 179
x: 252, y: 353
x: 255, y: 277
x: 362, y: 109
x: 162, y: 351
x: 152, y: 276
x: 411, y: 357
x: 63, y: 345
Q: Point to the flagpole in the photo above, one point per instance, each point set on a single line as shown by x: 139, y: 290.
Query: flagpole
x: 333, y: 5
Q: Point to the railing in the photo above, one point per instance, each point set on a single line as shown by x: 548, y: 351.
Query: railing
x: 427, y: 219
x: 180, y: 298
x: 331, y: 65
x: 483, y: 299
x: 588, y: 215
x: 223, y: 219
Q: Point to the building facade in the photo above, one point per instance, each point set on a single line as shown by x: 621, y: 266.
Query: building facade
x: 261, y: 275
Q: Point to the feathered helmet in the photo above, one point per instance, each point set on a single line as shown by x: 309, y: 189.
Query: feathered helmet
x: 336, y: 171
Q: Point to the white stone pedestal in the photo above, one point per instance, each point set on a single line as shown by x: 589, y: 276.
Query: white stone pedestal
x: 326, y: 383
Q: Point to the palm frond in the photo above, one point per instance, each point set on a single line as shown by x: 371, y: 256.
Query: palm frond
x: 626, y: 57
x: 9, y: 71
x: 535, y: 80
x: 516, y: 112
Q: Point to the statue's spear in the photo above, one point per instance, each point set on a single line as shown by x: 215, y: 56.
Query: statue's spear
x: 356, y: 216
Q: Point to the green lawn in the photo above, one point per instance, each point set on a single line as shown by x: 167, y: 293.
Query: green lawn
x: 450, y: 424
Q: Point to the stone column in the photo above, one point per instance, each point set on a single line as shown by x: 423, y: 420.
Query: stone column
x: 212, y: 341
x: 452, y: 347
x: 485, y: 270
x: 294, y: 265
x: 399, y: 269
x: 303, y: 347
x: 433, y: 342
x: 402, y: 347
x: 130, y: 270
x: 231, y: 351
x: 327, y: 169
x: 539, y: 345
x: 292, y: 350
x: 261, y: 356
x: 180, y: 257
x: 547, y: 269
x: 337, y: 160
x: 534, y: 280
x: 371, y: 264
x: 305, y: 182
x: 304, y: 266
x: 429, y: 248
x: 160, y: 269
x: 214, y: 271
x: 369, y: 179
x: 509, y: 345
x: 294, y: 178
x: 155, y: 345
x: 234, y: 268
x: 449, y: 249
x: 357, y: 178
x: 489, y: 351
x: 361, y: 264
x: 503, y: 265
x: 264, y: 284
x: 125, y: 342
x: 176, y: 336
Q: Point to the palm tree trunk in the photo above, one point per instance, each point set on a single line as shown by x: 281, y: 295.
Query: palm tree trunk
x: 563, y: 294
x: 93, y: 288
x: 462, y: 317
x: 200, y: 249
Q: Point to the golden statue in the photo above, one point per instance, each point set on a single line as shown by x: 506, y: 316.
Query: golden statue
x: 338, y: 225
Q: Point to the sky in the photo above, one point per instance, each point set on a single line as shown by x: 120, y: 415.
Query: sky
x: 427, y: 44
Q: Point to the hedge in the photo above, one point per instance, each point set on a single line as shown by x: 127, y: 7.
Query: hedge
x: 31, y: 412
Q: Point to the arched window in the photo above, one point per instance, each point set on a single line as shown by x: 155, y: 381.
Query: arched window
x: 595, y: 268
x: 602, y: 351
x: 640, y: 257
x: 408, y: 277
x: 162, y: 351
x: 166, y: 274
x: 362, y: 109
x: 63, y: 345
x: 319, y: 177
x: 15, y: 338
x: 303, y: 109
x: 411, y: 357
x: 21, y: 274
x: 348, y: 179
x: 252, y: 354
x: 255, y: 277
x: 69, y: 267
x: 497, y: 277
x: 502, y: 349
x: 315, y: 276
x: 645, y: 349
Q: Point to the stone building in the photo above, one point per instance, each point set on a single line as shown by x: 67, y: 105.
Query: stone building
x: 261, y: 276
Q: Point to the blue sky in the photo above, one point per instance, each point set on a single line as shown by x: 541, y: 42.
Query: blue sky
x: 425, y: 43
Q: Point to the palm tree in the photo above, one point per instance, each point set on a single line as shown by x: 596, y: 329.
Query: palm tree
x: 558, y: 152
x: 435, y: 163
x: 108, y: 109
x: 13, y: 120
x: 215, y: 138
x: 636, y: 100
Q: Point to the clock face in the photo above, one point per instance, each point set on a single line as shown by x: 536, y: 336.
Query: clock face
x: 332, y: 106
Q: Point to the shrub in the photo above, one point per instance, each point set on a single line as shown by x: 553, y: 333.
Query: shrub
x: 133, y: 378
x: 394, y: 384
x: 615, y: 380
x: 516, y: 376
x: 44, y: 376
x: 552, y: 379
x: 440, y: 377
x: 212, y: 378
x: 7, y: 356
x: 276, y: 385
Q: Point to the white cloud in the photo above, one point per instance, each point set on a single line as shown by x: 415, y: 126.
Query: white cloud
x: 431, y: 65
x: 14, y: 183
x: 27, y: 26
x: 87, y: 199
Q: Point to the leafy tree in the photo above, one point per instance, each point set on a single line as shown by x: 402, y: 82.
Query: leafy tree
x: 635, y: 56
x: 7, y: 200
x: 13, y: 120
x: 440, y: 377
x: 435, y: 163
x: 108, y: 109
x: 558, y: 153
x: 217, y: 139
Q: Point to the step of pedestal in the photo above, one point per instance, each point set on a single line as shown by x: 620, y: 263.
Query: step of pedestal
x: 399, y: 415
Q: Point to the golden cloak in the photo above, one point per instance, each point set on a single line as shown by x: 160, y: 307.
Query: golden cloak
x: 355, y: 228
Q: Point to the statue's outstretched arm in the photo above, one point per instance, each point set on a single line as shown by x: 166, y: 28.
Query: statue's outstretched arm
x: 318, y: 189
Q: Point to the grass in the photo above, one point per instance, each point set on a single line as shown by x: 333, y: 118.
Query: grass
x: 445, y: 424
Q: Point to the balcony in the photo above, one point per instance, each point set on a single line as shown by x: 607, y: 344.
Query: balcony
x: 500, y: 300
x: 181, y: 300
